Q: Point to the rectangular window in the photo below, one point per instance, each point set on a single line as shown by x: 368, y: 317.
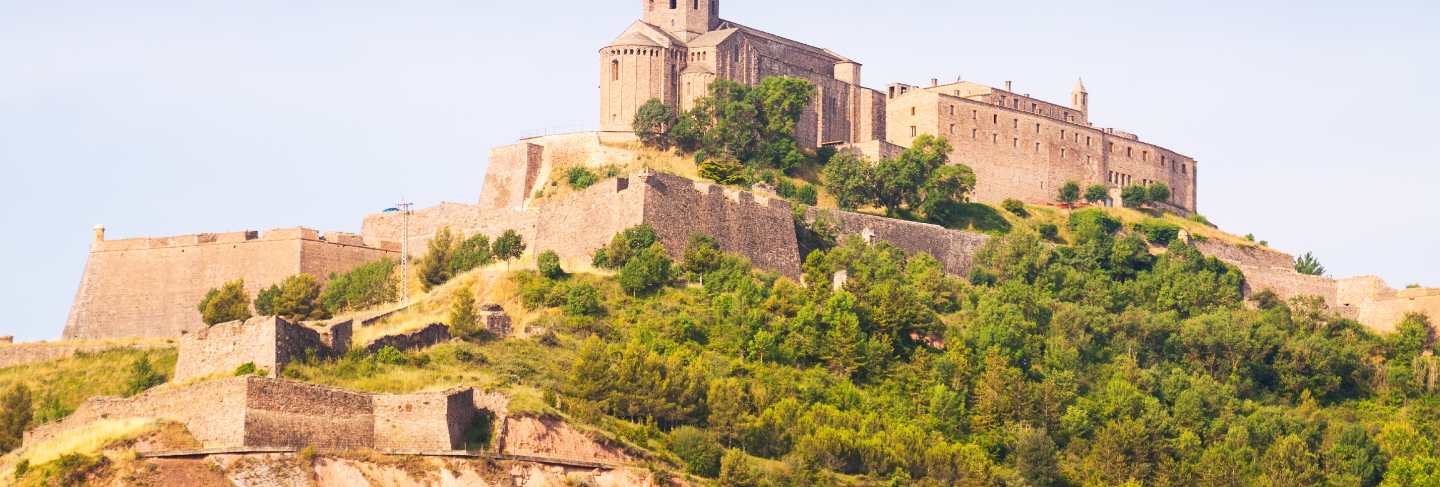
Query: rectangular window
x: 974, y: 114
x: 1087, y: 140
x: 952, y: 110
x: 1016, y: 123
x: 995, y: 119
x: 912, y: 131
x: 912, y: 111
x: 1062, y: 152
x: 952, y: 129
x: 1130, y: 152
x: 1062, y: 135
x: 995, y: 139
x: 1015, y: 142
x: 1037, y: 147
x: 1037, y: 128
x: 974, y: 134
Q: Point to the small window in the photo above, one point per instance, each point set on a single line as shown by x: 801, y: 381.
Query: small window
x: 952, y: 129
x: 1062, y: 135
x: 1037, y: 147
x: 1130, y: 152
x: 952, y: 110
x: 615, y: 70
x: 1015, y: 123
x: 995, y: 139
x: 912, y: 111
x: 1037, y: 128
x: 995, y: 119
x: 974, y: 114
x: 1015, y: 142
x: 974, y: 134
x: 1062, y: 152
x: 912, y: 131
x: 673, y: 6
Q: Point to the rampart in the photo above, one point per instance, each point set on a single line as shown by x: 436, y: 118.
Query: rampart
x: 955, y: 249
x: 434, y: 334
x: 257, y: 412
x: 267, y: 342
x: 15, y: 355
x: 149, y: 287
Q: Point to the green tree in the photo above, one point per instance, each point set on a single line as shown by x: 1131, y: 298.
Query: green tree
x: 1035, y: 460
x: 435, y: 267
x: 471, y: 253
x: 508, y: 246
x: 549, y: 265
x: 947, y: 186
x: 1157, y: 193
x: 265, y: 300
x: 848, y: 177
x: 227, y: 303
x: 582, y: 300
x: 15, y: 416
x: 652, y: 123
x: 722, y: 169
x: 901, y: 180
x: 697, y: 449
x: 1308, y: 264
x: 1069, y: 192
x: 1289, y: 462
x: 299, y: 299
x: 646, y: 272
x: 142, y: 377
x: 363, y: 287
x: 807, y: 194
x: 1134, y: 196
x: 702, y: 255
x: 463, y: 320
x: 1097, y: 193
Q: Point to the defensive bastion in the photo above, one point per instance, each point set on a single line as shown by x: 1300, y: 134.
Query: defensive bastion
x: 148, y: 287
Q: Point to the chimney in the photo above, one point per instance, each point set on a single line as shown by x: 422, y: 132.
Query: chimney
x: 99, y: 233
x: 934, y: 82
x: 1007, y: 87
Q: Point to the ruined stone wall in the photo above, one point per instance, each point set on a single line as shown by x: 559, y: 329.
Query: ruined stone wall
x: 434, y: 334
x: 955, y: 249
x: 758, y: 228
x: 148, y: 287
x: 1028, y: 156
x: 213, y: 412
x: 18, y: 354
x: 268, y: 342
x: 427, y: 421
x: 1245, y: 255
x: 281, y: 413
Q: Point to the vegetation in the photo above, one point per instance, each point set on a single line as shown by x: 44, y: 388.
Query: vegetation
x: 58, y: 387
x: 224, y: 304
x: 1015, y: 207
x: 1309, y: 265
x: 363, y: 287
x: 1097, y: 193
x: 15, y: 416
x: 464, y: 322
x: 918, y: 180
x: 735, y: 128
x: 579, y: 177
x: 1137, y: 196
x: 447, y: 257
x: 295, y: 299
x: 549, y: 265
x: 1069, y: 193
x: 142, y: 377
x: 508, y: 246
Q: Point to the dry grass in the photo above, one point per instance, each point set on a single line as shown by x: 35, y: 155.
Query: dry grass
x: 491, y: 284
x: 72, y: 380
x: 90, y: 440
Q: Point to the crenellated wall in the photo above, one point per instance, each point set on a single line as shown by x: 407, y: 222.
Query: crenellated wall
x: 149, y: 287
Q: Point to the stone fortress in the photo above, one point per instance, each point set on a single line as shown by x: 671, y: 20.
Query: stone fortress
x: 1019, y: 146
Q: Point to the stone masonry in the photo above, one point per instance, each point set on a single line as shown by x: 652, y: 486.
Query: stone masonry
x: 267, y: 342
x: 148, y: 287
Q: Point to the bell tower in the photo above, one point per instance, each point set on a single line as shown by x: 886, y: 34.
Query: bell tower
x: 686, y: 19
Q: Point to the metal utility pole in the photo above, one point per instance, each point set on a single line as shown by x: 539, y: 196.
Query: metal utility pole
x: 405, y: 207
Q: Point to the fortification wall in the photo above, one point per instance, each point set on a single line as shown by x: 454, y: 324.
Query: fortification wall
x: 213, y: 412
x: 148, y: 287
x: 1245, y: 255
x: 15, y: 355
x: 513, y: 170
x: 576, y: 224
x: 268, y: 342
x: 955, y: 249
x: 281, y: 413
x: 759, y: 228
x: 431, y: 335
x: 426, y: 421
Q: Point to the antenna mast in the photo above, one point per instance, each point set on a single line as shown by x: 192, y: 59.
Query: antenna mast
x: 405, y: 207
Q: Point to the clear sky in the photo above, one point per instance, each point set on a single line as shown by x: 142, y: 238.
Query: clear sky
x: 1313, y: 121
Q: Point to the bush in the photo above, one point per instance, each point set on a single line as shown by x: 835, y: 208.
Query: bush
x: 580, y: 178
x: 702, y: 255
x: 646, y: 272
x: 1069, y: 193
x: 362, y: 287
x: 265, y: 300
x: 652, y: 123
x: 1158, y: 232
x: 472, y: 252
x: 508, y: 246
x: 390, y: 355
x: 297, y: 298
x: 582, y: 300
x: 625, y: 245
x: 783, y: 187
x: 1048, y: 231
x: 537, y: 292
x: 723, y: 170
x: 435, y: 268
x: 247, y: 368
x: 1092, y: 223
x: 549, y: 265
x: 463, y: 320
x: 1015, y: 206
x: 697, y: 449
x: 142, y: 377
x: 1158, y: 193
x: 1134, y: 196
x: 807, y: 195
x: 1307, y: 264
x: 1097, y: 193
x: 1198, y: 218
x: 228, y: 303
x: 15, y: 416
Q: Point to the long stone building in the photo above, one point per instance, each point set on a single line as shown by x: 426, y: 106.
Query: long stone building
x: 1019, y: 146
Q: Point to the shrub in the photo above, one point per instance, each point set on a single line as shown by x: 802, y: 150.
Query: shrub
x: 549, y: 265
x: 298, y: 299
x: 723, y: 170
x: 362, y: 287
x: 652, y: 123
x: 702, y: 255
x: 471, y: 253
x: 1069, y: 192
x: 1412, y: 286
x: 508, y: 246
x: 1092, y: 223
x: 646, y: 272
x: 807, y: 194
x: 463, y: 320
x: 390, y: 355
x: 22, y: 468
x: 1015, y: 206
x: 850, y: 178
x: 1158, y: 193
x: 582, y: 300
x: 435, y: 268
x: 265, y: 300
x: 1097, y: 193
x: 1134, y: 196
x: 697, y: 449
x: 784, y: 187
x: 1158, y: 232
x: 227, y: 303
x: 1048, y: 231
x: 247, y: 368
x: 1309, y: 265
x: 15, y: 416
x: 1198, y: 218
x: 142, y: 377
x: 625, y: 245
x: 580, y: 178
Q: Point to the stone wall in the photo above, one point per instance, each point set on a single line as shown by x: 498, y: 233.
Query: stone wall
x: 214, y: 412
x: 1245, y: 255
x: 427, y: 421
x: 576, y: 224
x: 431, y: 335
x: 15, y: 355
x: 268, y: 342
x: 282, y: 413
x: 148, y: 287
x: 756, y: 227
x: 954, y: 248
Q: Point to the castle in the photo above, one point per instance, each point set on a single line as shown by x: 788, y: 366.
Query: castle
x: 1019, y: 146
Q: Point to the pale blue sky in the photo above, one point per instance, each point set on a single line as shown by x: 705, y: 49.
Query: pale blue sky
x: 1313, y: 121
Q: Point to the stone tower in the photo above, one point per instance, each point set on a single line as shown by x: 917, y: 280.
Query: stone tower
x: 684, y: 19
x: 1080, y: 99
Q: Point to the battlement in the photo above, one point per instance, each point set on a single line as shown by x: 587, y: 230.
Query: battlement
x: 246, y: 236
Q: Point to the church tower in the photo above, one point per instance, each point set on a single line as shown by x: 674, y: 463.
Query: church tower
x: 1080, y: 100
x: 684, y: 19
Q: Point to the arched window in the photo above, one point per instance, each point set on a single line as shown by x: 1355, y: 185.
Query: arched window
x: 615, y: 70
